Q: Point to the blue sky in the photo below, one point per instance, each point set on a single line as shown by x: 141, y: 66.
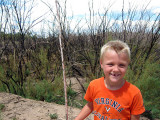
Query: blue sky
x: 6, y: 2
x: 78, y: 10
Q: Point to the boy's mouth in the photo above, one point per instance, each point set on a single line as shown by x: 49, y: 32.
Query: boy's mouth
x: 115, y: 75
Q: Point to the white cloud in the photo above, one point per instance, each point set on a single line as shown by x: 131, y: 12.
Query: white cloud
x: 80, y: 8
x: 156, y: 11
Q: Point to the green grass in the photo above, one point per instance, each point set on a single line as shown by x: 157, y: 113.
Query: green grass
x: 14, y: 118
x: 1, y: 108
x: 53, y: 116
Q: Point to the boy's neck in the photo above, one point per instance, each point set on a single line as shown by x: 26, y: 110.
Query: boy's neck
x: 113, y: 86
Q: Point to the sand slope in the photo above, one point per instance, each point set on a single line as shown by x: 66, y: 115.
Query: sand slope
x: 27, y: 109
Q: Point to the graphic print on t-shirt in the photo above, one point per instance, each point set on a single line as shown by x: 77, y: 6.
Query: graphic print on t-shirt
x: 109, y: 106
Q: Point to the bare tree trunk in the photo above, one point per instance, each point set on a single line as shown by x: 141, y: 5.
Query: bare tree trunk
x: 62, y: 58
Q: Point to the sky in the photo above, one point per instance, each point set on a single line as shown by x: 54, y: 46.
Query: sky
x: 80, y: 7
x: 77, y: 11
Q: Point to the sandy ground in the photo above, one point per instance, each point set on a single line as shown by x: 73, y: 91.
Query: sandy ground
x: 18, y: 108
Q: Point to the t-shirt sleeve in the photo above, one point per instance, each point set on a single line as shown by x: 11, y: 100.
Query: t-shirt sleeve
x: 89, y: 94
x: 137, y: 106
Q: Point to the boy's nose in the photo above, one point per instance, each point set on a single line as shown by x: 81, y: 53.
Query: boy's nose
x: 116, y: 68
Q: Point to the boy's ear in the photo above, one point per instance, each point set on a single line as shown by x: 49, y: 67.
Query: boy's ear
x: 100, y: 61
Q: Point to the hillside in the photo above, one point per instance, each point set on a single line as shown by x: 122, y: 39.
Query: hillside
x: 18, y: 108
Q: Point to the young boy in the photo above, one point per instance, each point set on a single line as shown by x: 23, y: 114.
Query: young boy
x: 111, y: 97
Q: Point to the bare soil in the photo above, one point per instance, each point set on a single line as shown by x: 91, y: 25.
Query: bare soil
x: 19, y: 108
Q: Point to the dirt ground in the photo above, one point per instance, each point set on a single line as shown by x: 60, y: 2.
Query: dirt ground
x: 19, y: 108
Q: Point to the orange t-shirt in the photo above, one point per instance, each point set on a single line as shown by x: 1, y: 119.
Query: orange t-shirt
x: 114, y: 104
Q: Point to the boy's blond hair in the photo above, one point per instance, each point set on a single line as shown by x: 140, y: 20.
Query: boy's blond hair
x: 116, y: 45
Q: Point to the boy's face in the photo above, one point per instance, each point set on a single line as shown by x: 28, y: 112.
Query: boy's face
x: 114, y: 66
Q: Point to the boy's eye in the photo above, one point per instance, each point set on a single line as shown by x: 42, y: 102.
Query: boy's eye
x: 110, y: 64
x: 122, y: 65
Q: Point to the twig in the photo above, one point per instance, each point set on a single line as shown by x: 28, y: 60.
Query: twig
x: 61, y: 48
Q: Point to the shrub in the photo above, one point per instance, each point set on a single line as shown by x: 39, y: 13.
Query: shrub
x: 2, y: 106
x: 53, y: 116
x: 41, y: 90
x: 149, y: 84
x: 46, y: 90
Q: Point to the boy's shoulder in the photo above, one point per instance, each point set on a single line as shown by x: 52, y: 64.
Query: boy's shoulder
x: 131, y: 87
x: 96, y: 81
